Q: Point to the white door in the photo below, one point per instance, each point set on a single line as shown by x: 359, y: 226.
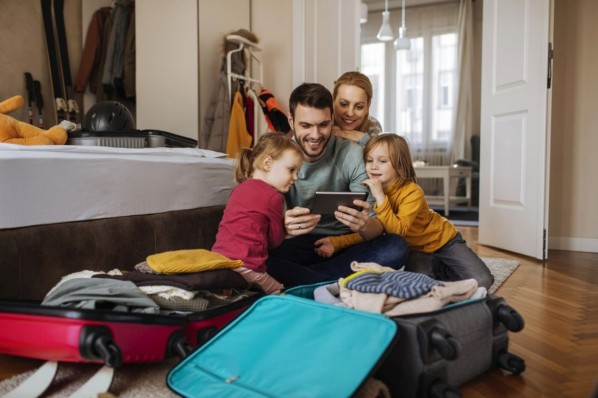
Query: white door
x: 515, y: 125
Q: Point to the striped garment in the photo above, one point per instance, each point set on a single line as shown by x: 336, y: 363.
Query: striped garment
x: 401, y: 284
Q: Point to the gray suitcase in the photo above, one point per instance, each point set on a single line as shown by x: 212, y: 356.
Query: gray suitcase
x: 438, y: 351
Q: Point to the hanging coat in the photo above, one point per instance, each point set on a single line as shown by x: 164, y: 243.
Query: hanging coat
x: 238, y: 136
x: 213, y: 135
x: 277, y: 120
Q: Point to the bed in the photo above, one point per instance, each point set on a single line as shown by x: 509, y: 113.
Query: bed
x: 69, y: 208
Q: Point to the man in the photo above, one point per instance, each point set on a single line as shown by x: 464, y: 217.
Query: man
x: 329, y: 164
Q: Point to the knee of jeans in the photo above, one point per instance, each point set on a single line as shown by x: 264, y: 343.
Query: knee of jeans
x: 394, y: 250
x: 485, y: 280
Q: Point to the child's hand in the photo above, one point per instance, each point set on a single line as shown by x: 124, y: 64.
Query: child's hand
x: 324, y: 247
x: 376, y: 190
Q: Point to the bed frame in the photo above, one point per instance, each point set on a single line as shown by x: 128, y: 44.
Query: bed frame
x: 34, y: 258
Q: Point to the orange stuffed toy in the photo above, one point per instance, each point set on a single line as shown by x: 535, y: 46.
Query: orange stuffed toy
x: 13, y: 131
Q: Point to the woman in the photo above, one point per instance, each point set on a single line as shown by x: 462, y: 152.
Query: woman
x: 352, y: 96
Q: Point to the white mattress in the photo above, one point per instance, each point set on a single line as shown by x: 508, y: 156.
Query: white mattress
x: 53, y: 184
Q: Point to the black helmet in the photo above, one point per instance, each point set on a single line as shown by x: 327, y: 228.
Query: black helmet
x: 108, y: 116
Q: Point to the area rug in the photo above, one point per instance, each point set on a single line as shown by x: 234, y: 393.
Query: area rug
x: 149, y: 380
x: 501, y: 269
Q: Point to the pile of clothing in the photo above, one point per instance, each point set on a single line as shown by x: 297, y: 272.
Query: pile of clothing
x: 378, y: 289
x: 175, y: 282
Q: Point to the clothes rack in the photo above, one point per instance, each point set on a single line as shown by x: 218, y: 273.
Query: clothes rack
x: 251, y: 47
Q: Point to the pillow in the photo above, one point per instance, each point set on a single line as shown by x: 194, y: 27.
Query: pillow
x: 192, y: 260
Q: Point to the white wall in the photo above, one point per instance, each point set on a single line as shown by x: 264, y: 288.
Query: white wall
x: 276, y: 36
x: 573, y: 220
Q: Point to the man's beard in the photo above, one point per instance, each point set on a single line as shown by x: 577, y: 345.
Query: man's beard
x: 307, y: 151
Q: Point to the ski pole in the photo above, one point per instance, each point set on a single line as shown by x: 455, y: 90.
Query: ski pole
x: 39, y: 102
x: 29, y: 88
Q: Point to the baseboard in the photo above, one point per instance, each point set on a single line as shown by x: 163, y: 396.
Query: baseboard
x: 573, y: 244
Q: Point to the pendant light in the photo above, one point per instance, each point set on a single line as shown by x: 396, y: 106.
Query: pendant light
x: 363, y: 13
x: 385, y: 33
x: 402, y: 42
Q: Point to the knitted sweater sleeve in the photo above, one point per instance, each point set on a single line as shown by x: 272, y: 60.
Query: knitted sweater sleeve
x: 342, y: 241
x: 408, y: 202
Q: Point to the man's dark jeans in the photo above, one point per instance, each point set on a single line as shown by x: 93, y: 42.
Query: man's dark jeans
x: 295, y: 261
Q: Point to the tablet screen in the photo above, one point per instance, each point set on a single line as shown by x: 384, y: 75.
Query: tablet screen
x: 328, y: 202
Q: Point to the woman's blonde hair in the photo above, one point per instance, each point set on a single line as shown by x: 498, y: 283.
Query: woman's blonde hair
x: 270, y: 144
x: 360, y: 80
x: 398, y: 153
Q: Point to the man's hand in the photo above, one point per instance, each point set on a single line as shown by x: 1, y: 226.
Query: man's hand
x: 299, y: 221
x: 324, y: 247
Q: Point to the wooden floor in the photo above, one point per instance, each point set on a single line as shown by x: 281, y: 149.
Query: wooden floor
x: 558, y: 299
x: 559, y: 302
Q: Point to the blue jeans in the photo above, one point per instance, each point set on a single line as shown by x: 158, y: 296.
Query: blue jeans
x: 452, y: 262
x: 295, y: 261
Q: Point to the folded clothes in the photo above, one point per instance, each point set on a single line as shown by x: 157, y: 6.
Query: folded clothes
x: 168, y: 292
x: 192, y: 260
x: 206, y: 280
x: 438, y: 297
x: 101, y: 294
x: 356, y: 266
x: 328, y: 294
x: 196, y: 304
x: 144, y: 267
x: 401, y: 284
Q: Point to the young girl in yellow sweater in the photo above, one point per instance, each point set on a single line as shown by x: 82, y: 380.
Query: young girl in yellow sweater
x: 402, y: 208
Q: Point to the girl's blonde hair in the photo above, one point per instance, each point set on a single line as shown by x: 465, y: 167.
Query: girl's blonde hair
x: 360, y: 80
x: 398, y: 153
x: 270, y: 144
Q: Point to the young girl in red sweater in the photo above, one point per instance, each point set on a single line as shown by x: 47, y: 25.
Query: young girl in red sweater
x: 253, y: 218
x: 402, y: 208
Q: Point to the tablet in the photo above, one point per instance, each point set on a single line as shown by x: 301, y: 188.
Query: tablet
x: 328, y: 202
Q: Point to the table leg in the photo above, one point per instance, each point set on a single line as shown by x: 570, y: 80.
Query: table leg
x: 446, y: 183
x: 468, y: 191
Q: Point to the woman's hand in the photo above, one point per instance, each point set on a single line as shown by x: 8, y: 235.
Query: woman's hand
x: 299, y: 221
x: 352, y: 135
x: 324, y: 247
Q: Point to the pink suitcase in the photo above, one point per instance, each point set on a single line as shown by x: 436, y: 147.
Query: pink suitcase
x: 107, y: 337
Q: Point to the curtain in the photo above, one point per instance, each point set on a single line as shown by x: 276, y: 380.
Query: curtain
x: 463, y: 111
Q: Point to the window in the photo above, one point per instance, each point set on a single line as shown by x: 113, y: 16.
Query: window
x: 370, y: 66
x: 414, y: 90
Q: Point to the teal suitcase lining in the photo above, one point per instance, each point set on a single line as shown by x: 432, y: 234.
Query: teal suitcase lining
x: 287, y: 346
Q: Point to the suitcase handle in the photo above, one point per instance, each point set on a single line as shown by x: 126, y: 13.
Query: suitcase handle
x: 178, y: 345
x: 443, y: 342
x: 95, y: 342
